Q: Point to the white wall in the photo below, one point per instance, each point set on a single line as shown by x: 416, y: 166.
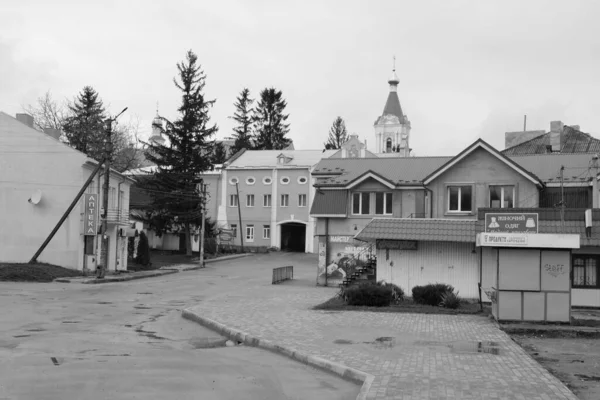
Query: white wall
x: 433, y: 262
x: 31, y: 160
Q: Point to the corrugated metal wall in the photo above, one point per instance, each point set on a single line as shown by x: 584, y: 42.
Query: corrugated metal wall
x: 443, y: 262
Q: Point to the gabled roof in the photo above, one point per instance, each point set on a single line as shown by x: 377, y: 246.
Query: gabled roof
x: 444, y: 230
x: 481, y: 144
x: 268, y: 158
x: 401, y: 171
x: 573, y: 141
x: 370, y: 175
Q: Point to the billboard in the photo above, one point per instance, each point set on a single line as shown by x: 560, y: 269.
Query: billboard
x: 511, y: 222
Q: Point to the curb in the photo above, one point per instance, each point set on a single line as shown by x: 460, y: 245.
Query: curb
x: 213, y: 260
x: 111, y: 279
x: 341, y: 370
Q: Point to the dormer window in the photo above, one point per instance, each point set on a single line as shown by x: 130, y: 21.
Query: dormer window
x: 283, y: 159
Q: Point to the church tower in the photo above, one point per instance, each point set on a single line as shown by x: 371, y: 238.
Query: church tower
x: 392, y: 128
x: 157, y: 128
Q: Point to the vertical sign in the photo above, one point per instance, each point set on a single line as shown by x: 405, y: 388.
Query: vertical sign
x: 90, y: 216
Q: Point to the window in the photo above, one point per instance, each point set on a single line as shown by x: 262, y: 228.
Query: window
x: 250, y: 180
x: 383, y: 203
x: 267, y: 180
x: 285, y: 180
x: 301, y: 200
x: 459, y: 198
x: 233, y: 180
x: 233, y: 200
x: 267, y: 200
x: 88, y: 245
x: 388, y: 145
x: 250, y: 233
x: 249, y: 200
x: 266, y: 232
x: 361, y: 203
x: 285, y: 200
x: 302, y: 180
x: 112, y: 198
x: 502, y: 196
x: 585, y: 271
x: 234, y: 229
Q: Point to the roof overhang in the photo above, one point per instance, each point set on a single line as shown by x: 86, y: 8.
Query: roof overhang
x: 370, y: 175
x: 481, y: 144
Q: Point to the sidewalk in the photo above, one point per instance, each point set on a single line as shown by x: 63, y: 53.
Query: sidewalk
x: 129, y: 276
x: 396, y: 355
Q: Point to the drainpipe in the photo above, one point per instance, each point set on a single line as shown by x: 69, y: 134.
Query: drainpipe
x: 118, y: 219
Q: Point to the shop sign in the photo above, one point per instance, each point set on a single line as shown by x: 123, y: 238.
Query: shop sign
x: 384, y: 244
x: 503, y: 239
x: 340, y: 239
x: 90, y: 216
x: 511, y: 222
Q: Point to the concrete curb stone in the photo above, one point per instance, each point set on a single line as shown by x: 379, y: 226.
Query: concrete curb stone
x: 159, y: 272
x: 341, y: 370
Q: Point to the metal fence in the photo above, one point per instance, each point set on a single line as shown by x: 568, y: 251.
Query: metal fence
x: 282, y: 273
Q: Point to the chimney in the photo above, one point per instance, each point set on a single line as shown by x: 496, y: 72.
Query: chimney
x: 576, y: 127
x: 55, y: 133
x: 556, y: 135
x: 25, y: 119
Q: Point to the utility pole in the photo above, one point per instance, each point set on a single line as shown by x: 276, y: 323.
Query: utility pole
x: 595, y: 193
x: 562, y: 198
x: 203, y: 190
x: 103, y: 267
x: 237, y: 190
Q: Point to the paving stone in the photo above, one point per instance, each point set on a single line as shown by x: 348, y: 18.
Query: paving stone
x: 424, y: 362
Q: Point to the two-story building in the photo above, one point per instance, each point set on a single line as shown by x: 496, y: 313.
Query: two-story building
x: 39, y: 178
x: 266, y: 196
x: 426, y: 208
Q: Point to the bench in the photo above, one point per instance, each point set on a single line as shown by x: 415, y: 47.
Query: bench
x: 282, y: 274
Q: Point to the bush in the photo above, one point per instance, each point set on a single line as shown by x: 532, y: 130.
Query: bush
x: 450, y: 300
x: 143, y: 251
x: 397, y: 292
x: 430, y: 294
x: 368, y: 294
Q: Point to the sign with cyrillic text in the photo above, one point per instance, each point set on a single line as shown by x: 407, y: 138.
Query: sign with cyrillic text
x: 90, y: 216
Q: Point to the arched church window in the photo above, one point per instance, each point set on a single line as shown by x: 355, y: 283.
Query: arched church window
x: 388, y: 145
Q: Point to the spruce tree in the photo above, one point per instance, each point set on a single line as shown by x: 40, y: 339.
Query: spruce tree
x: 84, y: 128
x: 219, y: 155
x: 269, y: 119
x: 337, y: 135
x: 243, y: 116
x: 174, y: 188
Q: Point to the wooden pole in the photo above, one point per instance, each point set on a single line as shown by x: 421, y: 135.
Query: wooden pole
x: 237, y: 190
x: 202, y: 227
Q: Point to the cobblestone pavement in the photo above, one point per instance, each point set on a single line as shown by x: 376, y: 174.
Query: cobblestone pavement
x: 412, y: 356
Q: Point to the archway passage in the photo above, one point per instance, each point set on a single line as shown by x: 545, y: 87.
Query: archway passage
x: 293, y: 237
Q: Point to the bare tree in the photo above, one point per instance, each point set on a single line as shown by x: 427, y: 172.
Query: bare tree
x: 47, y: 112
x: 128, y: 151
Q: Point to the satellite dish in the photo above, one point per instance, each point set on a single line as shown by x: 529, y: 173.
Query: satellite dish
x: 36, y: 197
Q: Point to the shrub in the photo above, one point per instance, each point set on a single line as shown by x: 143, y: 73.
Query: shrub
x: 430, y: 294
x: 368, y: 294
x: 397, y: 292
x: 143, y: 251
x: 450, y: 300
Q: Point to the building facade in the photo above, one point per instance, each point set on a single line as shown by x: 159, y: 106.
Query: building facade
x: 266, y: 196
x: 39, y: 178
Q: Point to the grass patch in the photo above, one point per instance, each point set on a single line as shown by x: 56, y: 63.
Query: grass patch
x: 38, y: 272
x: 406, y: 306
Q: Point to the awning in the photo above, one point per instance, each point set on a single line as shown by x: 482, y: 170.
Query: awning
x: 426, y: 229
x: 329, y: 203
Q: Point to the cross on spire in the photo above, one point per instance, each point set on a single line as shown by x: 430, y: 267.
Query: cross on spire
x: 394, y: 69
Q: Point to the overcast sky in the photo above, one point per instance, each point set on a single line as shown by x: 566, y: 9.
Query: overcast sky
x: 467, y: 69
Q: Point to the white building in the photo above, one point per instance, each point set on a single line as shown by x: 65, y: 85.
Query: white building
x: 39, y: 178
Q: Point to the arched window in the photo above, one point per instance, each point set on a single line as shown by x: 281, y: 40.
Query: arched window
x: 388, y: 145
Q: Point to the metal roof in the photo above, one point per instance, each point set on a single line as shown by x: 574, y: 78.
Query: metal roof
x: 330, y: 203
x: 573, y: 141
x: 439, y: 230
x: 547, y: 166
x: 401, y: 170
x: 268, y: 158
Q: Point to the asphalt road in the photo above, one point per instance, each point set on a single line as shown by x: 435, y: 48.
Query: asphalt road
x: 127, y: 340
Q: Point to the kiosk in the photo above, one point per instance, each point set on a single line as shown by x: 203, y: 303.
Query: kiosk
x: 530, y: 275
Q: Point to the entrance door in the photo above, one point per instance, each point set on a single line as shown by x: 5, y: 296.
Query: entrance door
x: 293, y: 237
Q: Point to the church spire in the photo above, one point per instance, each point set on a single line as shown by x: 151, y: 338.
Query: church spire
x: 394, y: 81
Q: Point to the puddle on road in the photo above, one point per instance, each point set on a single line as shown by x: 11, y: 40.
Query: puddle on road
x: 207, y: 342
x: 71, y: 322
x: 36, y: 330
x: 104, y: 302
x: 458, y: 347
x: 20, y: 336
x: 142, y: 307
